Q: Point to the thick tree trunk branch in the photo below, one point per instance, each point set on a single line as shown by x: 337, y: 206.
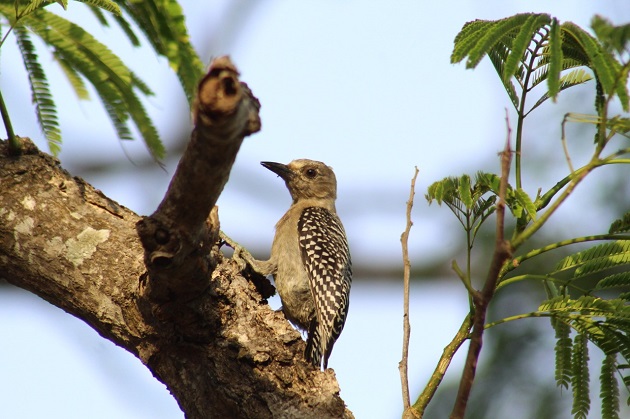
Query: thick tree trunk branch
x: 208, y: 335
x: 175, y: 237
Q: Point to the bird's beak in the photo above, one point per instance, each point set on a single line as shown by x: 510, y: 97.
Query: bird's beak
x: 280, y: 169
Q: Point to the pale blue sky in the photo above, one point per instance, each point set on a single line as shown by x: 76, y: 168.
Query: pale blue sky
x: 365, y: 86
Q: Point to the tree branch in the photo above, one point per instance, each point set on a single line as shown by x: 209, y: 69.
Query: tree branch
x: 404, y: 239
x: 176, y: 237
x: 481, y: 300
x: 440, y: 370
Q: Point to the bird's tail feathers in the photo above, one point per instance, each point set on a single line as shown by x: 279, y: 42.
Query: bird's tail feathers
x: 318, y: 345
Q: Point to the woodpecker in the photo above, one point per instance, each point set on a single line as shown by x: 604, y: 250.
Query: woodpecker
x: 310, y: 257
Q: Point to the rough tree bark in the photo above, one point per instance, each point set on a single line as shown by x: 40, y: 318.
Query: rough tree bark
x: 201, y: 326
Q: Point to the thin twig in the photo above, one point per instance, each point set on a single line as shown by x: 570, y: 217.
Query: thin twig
x: 440, y: 370
x: 463, y: 278
x: 564, y: 142
x: 502, y: 252
x: 404, y: 239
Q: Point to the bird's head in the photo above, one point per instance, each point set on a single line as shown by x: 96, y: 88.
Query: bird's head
x: 306, y: 179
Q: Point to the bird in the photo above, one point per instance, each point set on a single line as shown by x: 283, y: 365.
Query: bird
x: 310, y: 257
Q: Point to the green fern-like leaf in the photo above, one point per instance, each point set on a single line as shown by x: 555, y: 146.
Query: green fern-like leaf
x: 530, y: 27
x: 62, y: 3
x: 501, y: 31
x: 606, y: 68
x: 602, y: 264
x: 556, y: 59
x: 488, y: 180
x: 585, y: 325
x: 118, y: 118
x: 447, y: 191
x: 518, y: 46
x: 563, y: 353
x: 441, y: 190
x: 82, y: 58
x: 41, y: 96
x: 612, y: 37
x: 467, y: 38
x: 497, y: 56
x: 617, y: 336
x: 122, y: 22
x: 574, y: 78
x: 621, y: 279
x: 99, y: 15
x: 128, y: 31
x: 107, y: 5
x: 32, y: 6
x: 114, y: 82
x: 532, y: 48
x: 484, y: 207
x: 139, y: 84
x: 605, y: 322
x: 526, y: 202
x: 74, y: 78
x: 465, y: 191
x: 163, y: 23
x: 542, y: 71
x: 590, y: 51
x: 619, y: 125
x: 609, y: 389
x: 593, y: 306
x: 616, y: 251
x: 517, y: 202
x: 467, y: 201
x: 580, y: 378
x: 621, y: 225
x: 459, y: 196
x: 145, y: 125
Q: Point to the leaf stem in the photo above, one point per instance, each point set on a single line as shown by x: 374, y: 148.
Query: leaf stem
x: 519, y: 135
x: 4, y: 38
x: 532, y: 253
x: 521, y: 119
x: 467, y: 277
x: 533, y: 314
x: 520, y: 278
x: 546, y: 198
x: 464, y: 278
x: 539, y: 222
x: 15, y: 148
x: 565, y: 147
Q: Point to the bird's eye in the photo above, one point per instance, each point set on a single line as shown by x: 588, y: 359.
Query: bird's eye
x: 311, y: 173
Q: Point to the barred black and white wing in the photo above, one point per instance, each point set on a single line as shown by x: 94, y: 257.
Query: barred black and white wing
x: 326, y: 257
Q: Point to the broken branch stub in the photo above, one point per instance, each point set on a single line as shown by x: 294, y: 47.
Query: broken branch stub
x: 176, y: 238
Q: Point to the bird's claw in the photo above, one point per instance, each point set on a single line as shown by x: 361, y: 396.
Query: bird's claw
x: 241, y: 256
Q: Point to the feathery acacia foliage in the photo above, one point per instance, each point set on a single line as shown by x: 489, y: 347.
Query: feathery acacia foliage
x: 621, y: 225
x: 84, y: 59
x: 533, y: 48
x: 588, y: 292
x: 580, y: 379
x: 563, y: 353
x: 44, y: 105
x: 609, y: 388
